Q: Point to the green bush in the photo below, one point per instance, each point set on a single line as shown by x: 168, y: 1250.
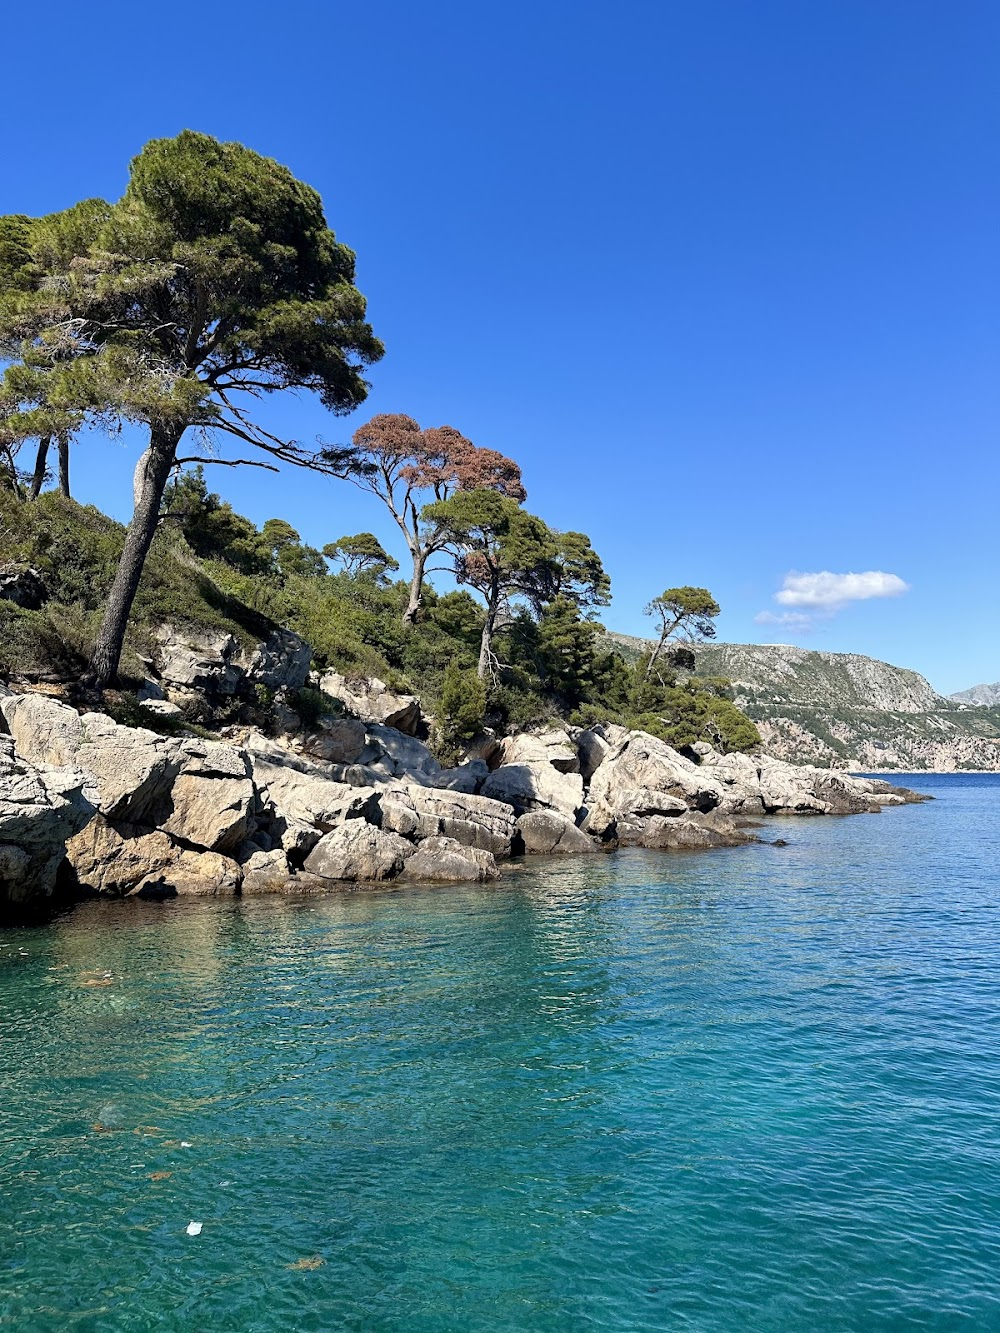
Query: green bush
x: 460, y: 711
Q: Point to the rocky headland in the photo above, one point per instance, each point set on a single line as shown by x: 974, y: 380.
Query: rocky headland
x: 844, y: 710
x: 91, y: 806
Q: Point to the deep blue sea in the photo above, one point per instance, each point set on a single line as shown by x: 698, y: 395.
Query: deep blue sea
x: 755, y: 1089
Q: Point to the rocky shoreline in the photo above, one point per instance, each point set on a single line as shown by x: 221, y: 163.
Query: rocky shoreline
x: 92, y: 807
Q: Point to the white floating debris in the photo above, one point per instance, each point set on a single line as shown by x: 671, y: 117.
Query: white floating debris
x: 185, y: 1144
x: 194, y: 1228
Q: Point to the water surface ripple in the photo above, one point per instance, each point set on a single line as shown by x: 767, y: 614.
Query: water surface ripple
x: 754, y: 1089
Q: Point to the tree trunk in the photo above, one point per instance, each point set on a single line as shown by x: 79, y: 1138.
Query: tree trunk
x: 41, y: 459
x: 653, y: 656
x: 151, y: 475
x: 416, y: 588
x: 64, y: 466
x: 485, y: 668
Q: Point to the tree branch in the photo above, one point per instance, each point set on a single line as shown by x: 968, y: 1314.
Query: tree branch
x: 229, y: 462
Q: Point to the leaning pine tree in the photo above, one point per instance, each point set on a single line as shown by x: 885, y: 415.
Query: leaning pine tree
x: 213, y: 282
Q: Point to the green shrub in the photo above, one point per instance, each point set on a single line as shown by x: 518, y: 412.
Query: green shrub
x: 460, y: 711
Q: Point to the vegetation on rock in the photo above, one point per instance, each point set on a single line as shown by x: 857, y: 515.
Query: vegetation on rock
x: 213, y: 282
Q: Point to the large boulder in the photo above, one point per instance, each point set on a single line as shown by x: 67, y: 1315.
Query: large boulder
x: 358, y: 851
x: 593, y: 748
x: 281, y: 662
x: 474, y: 821
x: 398, y: 754
x: 535, y: 785
x: 132, y: 769
x: 212, y: 798
x: 467, y: 778
x: 266, y: 872
x: 193, y: 875
x: 113, y: 860
x: 306, y: 798
x: 642, y: 762
x: 694, y: 831
x: 441, y: 858
x: 552, y: 746
x: 204, y: 660
x: 338, y: 741
x: 547, y: 832
x: 371, y: 700
x: 41, y: 808
x: 216, y: 663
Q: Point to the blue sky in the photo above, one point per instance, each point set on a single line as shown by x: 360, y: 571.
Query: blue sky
x: 723, y: 276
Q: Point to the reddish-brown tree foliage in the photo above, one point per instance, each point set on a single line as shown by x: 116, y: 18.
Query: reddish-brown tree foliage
x: 408, y: 467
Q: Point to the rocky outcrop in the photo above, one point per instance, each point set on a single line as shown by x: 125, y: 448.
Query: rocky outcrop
x: 535, y: 786
x: 538, y: 771
x: 546, y: 833
x: 473, y: 821
x: 371, y: 700
x: 140, y: 814
x: 440, y: 858
x: 40, y: 808
x: 130, y: 770
x: 358, y: 851
x: 218, y: 665
x: 643, y: 763
x: 645, y: 793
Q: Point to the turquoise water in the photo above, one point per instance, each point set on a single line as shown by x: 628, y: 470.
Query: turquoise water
x: 751, y: 1089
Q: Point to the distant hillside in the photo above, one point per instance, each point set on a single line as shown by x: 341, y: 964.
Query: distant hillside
x: 849, y: 711
x: 982, y: 696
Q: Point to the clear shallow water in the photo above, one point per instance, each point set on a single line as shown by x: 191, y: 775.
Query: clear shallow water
x: 751, y: 1089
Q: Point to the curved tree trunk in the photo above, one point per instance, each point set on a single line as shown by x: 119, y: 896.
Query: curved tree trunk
x: 416, y: 588
x: 63, y: 445
x: 41, y: 461
x: 151, y: 475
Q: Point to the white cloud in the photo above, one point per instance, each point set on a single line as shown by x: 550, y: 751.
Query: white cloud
x: 829, y: 592
x: 824, y: 594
